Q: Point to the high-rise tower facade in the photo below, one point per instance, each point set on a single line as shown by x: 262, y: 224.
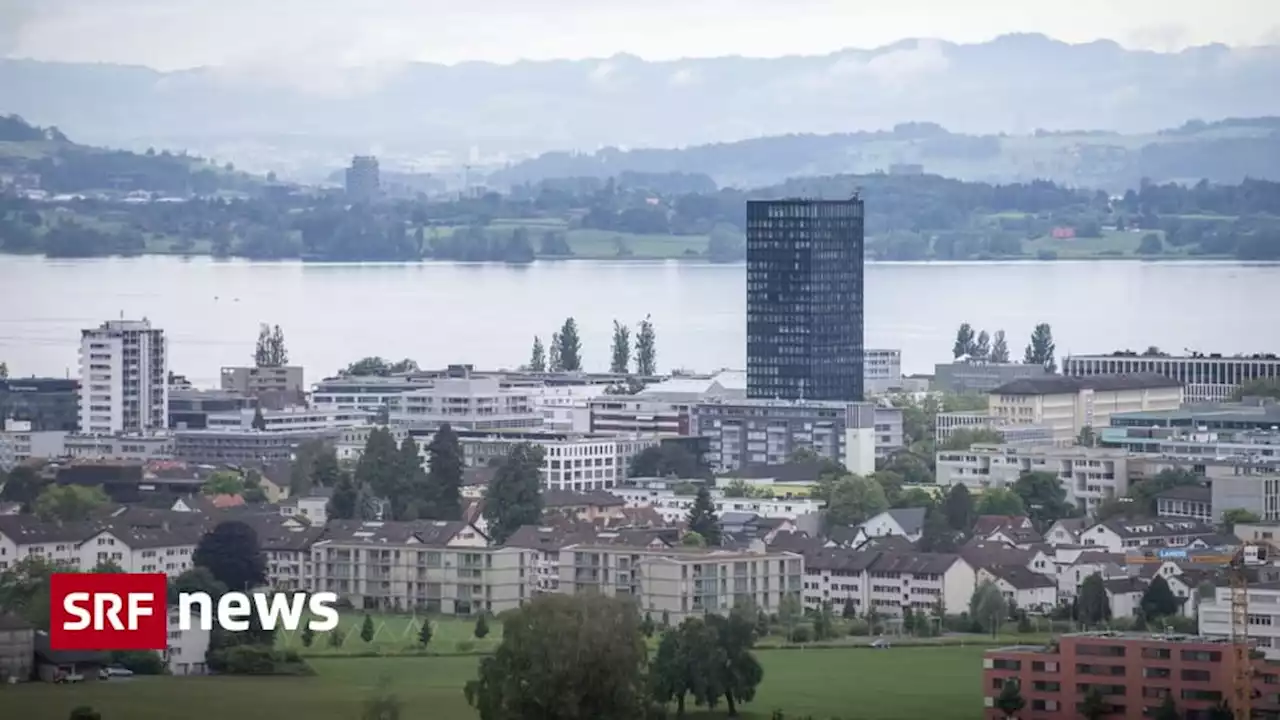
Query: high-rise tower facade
x: 124, y: 378
x: 804, y: 299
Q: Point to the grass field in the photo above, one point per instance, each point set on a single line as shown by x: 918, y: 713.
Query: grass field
x: 397, y: 634
x: 898, y: 684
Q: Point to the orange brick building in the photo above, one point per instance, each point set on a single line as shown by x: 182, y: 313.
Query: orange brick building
x: 1133, y: 671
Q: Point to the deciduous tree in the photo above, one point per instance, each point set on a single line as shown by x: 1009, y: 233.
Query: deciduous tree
x: 481, y: 630
x: 850, y: 499
x: 1093, y: 607
x: 232, y: 555
x: 570, y: 346
x: 69, y: 503
x: 1000, y: 501
x: 1040, y: 351
x: 964, y: 344
x: 646, y: 349
x: 515, y: 494
x: 999, y: 348
x: 959, y: 508
x: 1158, y: 601
x: 223, y: 482
x: 538, y: 356
x: 620, y: 355
x: 1237, y: 515
x: 444, y: 476
x: 565, y: 656
x: 22, y: 486
x: 703, y: 519
x: 981, y: 347
x: 987, y: 606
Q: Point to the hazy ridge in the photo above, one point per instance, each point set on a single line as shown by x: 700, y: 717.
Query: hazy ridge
x: 1013, y: 84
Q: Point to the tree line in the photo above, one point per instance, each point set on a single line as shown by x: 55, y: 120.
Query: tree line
x: 912, y: 217
x: 984, y: 348
x: 565, y: 351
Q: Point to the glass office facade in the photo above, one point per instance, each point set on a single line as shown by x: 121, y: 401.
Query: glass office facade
x: 805, y: 299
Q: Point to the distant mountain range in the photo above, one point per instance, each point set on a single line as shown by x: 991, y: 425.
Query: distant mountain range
x: 1226, y: 151
x: 1013, y: 84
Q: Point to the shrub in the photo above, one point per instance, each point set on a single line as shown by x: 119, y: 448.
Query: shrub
x: 140, y: 662
x: 464, y: 646
x: 85, y: 712
x: 858, y: 626
x: 801, y: 634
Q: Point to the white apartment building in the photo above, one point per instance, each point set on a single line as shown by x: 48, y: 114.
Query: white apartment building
x: 19, y: 443
x: 1089, y: 475
x: 470, y: 403
x: 124, y: 378
x: 157, y: 446
x: 434, y: 566
x: 185, y: 654
x: 681, y: 582
x: 947, y: 423
x: 887, y: 582
x: 349, y: 445
x: 1121, y: 536
x: 566, y: 408
x: 81, y: 546
x: 1207, y: 378
x: 673, y: 507
x: 370, y: 394
x: 881, y: 371
x: 291, y: 418
x: 1264, y: 616
x: 757, y: 431
x: 1067, y: 405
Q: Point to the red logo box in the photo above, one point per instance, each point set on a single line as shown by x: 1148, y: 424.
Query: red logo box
x: 108, y: 611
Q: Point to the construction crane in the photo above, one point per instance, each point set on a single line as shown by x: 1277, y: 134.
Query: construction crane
x: 1236, y: 564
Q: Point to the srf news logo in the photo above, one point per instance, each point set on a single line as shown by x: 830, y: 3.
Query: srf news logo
x: 129, y: 611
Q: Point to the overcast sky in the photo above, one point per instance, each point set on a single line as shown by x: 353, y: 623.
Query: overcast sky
x: 170, y: 34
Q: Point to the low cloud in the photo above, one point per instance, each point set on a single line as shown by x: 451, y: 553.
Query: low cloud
x: 895, y: 68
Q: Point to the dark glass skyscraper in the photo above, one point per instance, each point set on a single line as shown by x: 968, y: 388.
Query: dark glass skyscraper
x: 804, y: 299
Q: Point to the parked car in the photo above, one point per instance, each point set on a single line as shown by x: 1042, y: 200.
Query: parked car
x: 116, y: 671
x: 880, y: 644
x: 68, y: 677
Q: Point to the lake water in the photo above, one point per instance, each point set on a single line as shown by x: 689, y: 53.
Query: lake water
x: 487, y: 315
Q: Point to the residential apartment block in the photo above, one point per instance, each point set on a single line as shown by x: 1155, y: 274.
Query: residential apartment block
x: 1134, y: 673
x: 673, y: 507
x: 124, y: 378
x: 291, y: 418
x: 433, y: 566
x: 881, y: 371
x: 1089, y: 475
x: 281, y: 386
x: 1120, y: 535
x: 947, y: 423
x: 467, y: 403
x: 371, y: 394
x: 750, y: 432
x: 681, y: 582
x: 1207, y: 378
x: 83, y: 546
x: 887, y: 582
x: 1067, y: 405
x: 1264, y: 616
x: 20, y: 443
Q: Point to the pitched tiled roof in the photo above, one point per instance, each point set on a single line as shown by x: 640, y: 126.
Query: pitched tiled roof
x: 1021, y: 578
x: 1151, y: 528
x: 427, y: 532
x: 1121, y: 586
x: 914, y: 563
x: 28, y: 530
x: 988, y: 524
x: 911, y: 520
x: 542, y: 537
x: 569, y: 498
x: 795, y: 542
x: 1060, y: 384
x: 990, y: 555
x: 887, y: 543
